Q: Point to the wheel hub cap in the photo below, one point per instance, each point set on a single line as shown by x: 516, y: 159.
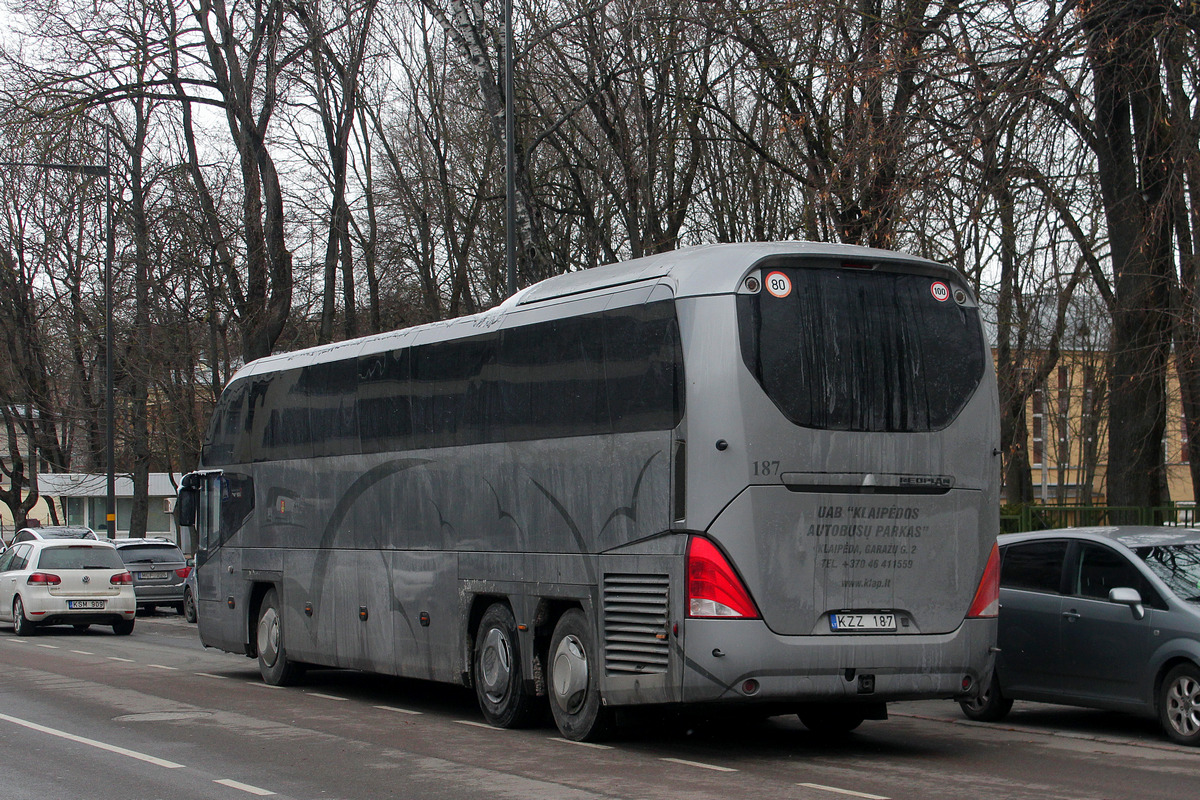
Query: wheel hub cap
x: 570, y: 673
x: 268, y: 637
x: 495, y: 663
x: 1183, y: 706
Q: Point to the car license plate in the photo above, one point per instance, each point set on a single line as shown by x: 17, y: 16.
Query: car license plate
x: 873, y: 621
x: 81, y: 604
x: 152, y: 576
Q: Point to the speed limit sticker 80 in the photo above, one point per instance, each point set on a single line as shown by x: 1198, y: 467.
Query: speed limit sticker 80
x: 778, y: 284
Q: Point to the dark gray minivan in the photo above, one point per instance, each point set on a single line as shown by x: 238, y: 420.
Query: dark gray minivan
x: 1100, y: 617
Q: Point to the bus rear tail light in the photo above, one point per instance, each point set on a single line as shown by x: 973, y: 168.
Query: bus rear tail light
x: 987, y: 596
x: 121, y: 578
x: 43, y: 579
x: 714, y: 589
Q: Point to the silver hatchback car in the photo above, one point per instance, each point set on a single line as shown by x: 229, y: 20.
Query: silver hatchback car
x: 1100, y: 617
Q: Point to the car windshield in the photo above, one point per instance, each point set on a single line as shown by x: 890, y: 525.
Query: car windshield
x: 80, y: 557
x: 151, y: 553
x: 1177, y: 565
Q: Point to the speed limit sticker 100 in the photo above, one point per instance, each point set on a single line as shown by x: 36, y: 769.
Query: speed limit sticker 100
x: 778, y: 284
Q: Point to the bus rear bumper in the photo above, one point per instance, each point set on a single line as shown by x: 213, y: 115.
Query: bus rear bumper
x: 742, y: 660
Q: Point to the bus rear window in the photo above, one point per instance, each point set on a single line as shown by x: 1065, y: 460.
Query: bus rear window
x: 855, y: 350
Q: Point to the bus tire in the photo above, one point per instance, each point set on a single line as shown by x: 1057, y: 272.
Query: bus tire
x: 498, y: 677
x: 574, y: 684
x: 990, y: 705
x: 832, y: 718
x: 1179, y: 704
x: 273, y: 664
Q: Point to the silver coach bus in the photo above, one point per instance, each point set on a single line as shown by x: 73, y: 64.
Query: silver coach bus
x: 757, y: 474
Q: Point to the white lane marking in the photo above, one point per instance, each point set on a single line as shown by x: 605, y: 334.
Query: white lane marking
x: 836, y: 790
x: 245, y: 787
x: 83, y: 652
x: 475, y: 724
x: 326, y: 696
x: 592, y: 745
x: 699, y: 764
x: 19, y: 641
x: 50, y: 646
x: 160, y: 666
x: 210, y: 675
x: 118, y: 658
x: 121, y: 751
x: 399, y: 710
x: 262, y: 685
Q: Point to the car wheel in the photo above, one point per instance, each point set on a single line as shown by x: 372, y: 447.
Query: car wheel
x: 81, y: 628
x: 498, y: 676
x: 574, y: 684
x: 189, y: 605
x: 832, y: 718
x: 990, y: 705
x: 123, y: 628
x: 273, y: 663
x: 22, y: 625
x: 1179, y: 704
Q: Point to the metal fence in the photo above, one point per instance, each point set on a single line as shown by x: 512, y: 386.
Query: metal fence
x: 1037, y: 517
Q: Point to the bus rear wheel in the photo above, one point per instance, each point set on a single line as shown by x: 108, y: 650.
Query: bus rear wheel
x: 575, y: 680
x: 832, y: 718
x: 273, y: 664
x: 499, y: 679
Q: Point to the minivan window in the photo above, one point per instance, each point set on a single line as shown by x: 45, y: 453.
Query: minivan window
x: 1178, y: 566
x: 1033, y: 566
x: 1097, y: 570
x: 862, y: 350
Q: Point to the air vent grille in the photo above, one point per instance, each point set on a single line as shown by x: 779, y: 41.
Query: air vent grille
x: 635, y: 624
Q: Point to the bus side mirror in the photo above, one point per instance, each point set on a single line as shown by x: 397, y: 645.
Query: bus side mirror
x: 185, y: 518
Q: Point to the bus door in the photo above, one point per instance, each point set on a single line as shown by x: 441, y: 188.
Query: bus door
x: 215, y: 570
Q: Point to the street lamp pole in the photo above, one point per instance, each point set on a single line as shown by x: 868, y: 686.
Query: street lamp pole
x: 98, y: 170
x: 510, y: 192
x: 110, y: 249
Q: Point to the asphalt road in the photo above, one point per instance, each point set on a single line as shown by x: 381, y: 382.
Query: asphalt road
x: 155, y: 715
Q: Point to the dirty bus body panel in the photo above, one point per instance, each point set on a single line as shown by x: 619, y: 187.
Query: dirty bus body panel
x: 512, y: 500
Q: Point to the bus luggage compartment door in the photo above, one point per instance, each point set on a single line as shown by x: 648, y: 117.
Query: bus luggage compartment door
x: 830, y: 564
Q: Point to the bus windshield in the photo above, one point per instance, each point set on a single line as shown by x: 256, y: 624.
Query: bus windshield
x: 862, y: 350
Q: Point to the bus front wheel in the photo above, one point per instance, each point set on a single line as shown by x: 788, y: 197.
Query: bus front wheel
x: 274, y: 665
x: 575, y: 680
x: 499, y: 680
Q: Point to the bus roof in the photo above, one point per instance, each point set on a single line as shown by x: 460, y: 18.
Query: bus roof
x: 689, y: 272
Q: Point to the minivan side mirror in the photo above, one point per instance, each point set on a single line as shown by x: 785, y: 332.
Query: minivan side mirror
x: 1128, y: 597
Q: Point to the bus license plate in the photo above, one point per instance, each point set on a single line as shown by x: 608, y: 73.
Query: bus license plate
x: 152, y: 576
x: 862, y: 622
x: 74, y: 604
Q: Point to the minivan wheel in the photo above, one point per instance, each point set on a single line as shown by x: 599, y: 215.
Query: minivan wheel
x: 990, y: 705
x: 1179, y: 704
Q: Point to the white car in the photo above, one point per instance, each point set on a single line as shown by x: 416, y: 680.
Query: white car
x: 65, y: 582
